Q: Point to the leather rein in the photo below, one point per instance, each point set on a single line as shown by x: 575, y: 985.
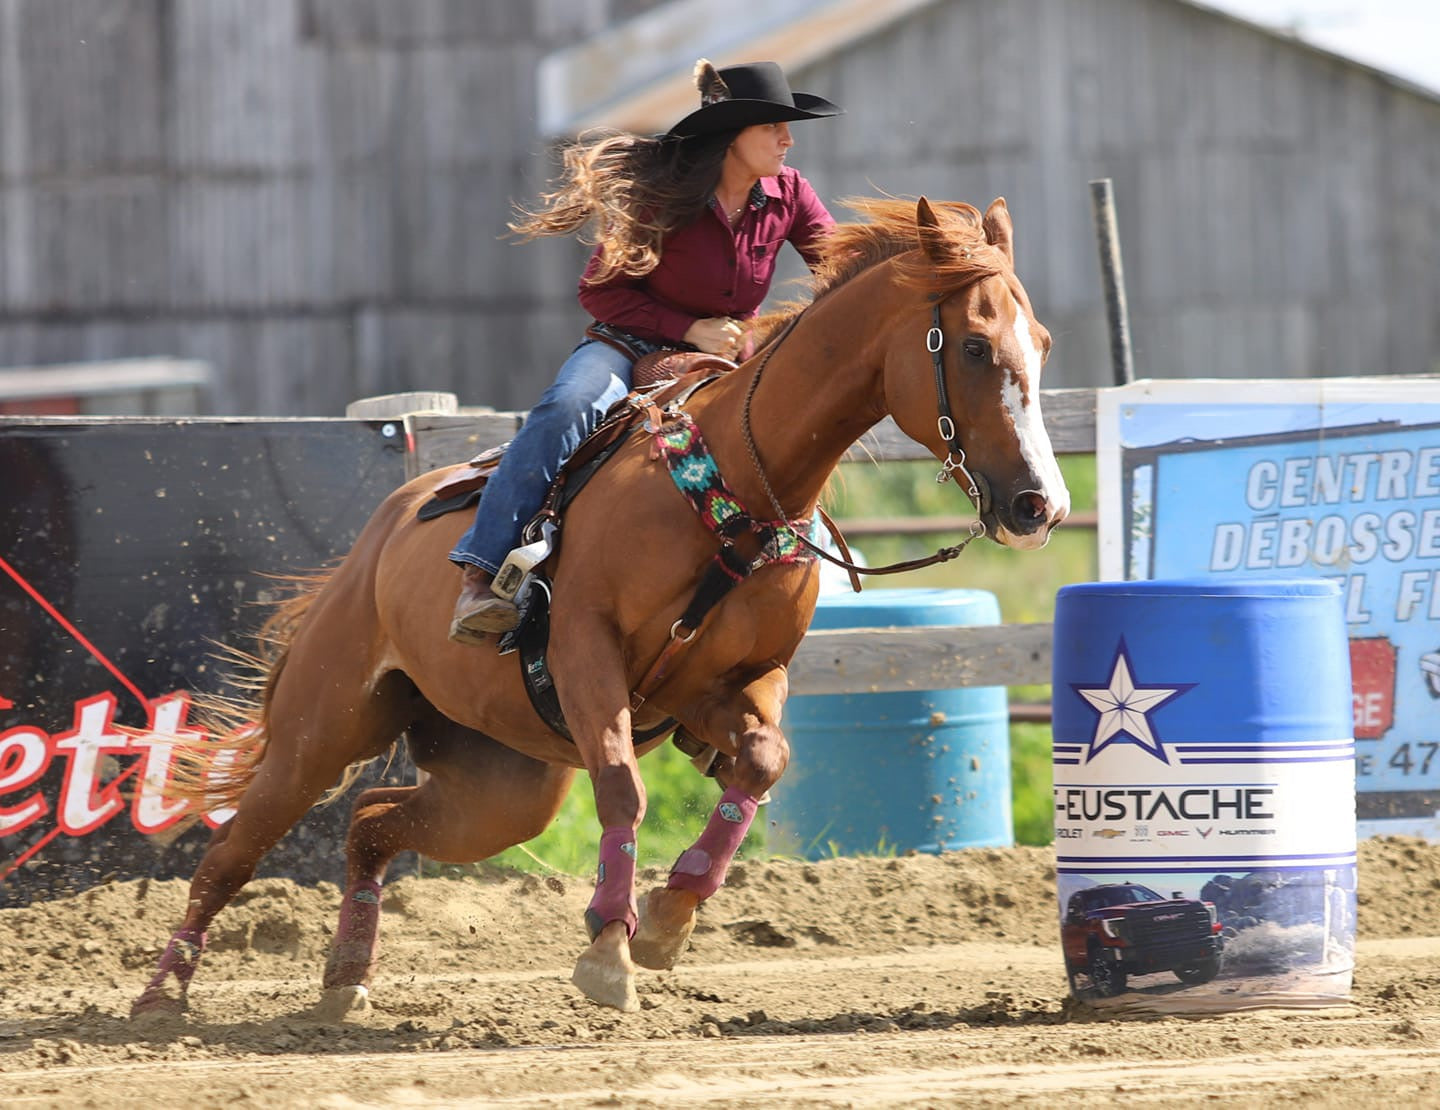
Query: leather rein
x: 954, y: 461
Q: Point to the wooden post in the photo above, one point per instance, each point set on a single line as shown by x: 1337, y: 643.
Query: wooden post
x: 1112, y: 272
x: 388, y: 405
x: 115, y: 387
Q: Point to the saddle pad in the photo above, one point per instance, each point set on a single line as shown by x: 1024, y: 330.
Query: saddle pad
x: 439, y: 506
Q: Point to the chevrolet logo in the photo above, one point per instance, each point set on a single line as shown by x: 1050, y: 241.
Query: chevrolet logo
x: 1108, y: 834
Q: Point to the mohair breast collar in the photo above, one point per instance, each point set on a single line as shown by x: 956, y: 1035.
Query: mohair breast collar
x: 696, y: 475
x: 746, y: 544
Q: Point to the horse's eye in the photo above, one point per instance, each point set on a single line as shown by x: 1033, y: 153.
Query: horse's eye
x: 976, y: 348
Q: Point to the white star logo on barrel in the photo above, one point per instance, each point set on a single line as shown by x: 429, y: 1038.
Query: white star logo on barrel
x: 1125, y: 707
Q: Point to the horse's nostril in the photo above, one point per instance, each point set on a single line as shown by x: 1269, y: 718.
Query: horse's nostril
x: 1030, y: 508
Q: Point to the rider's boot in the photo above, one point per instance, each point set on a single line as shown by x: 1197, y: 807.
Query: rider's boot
x: 478, y: 611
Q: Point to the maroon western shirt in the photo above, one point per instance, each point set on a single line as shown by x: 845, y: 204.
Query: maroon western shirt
x: 707, y: 269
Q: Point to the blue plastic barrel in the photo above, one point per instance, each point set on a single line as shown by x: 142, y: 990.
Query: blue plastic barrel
x: 927, y: 770
x: 1204, y: 754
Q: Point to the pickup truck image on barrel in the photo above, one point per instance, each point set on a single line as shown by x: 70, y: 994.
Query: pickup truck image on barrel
x: 1116, y: 930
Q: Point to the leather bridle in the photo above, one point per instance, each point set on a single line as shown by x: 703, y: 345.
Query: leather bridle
x: 955, y: 461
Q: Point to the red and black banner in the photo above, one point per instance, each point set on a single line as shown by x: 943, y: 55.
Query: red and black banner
x: 130, y: 551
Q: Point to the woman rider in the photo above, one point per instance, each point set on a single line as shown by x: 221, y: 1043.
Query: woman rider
x: 687, y: 226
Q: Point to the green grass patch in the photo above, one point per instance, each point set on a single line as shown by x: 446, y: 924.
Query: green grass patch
x: 679, y: 802
x: 1030, y: 784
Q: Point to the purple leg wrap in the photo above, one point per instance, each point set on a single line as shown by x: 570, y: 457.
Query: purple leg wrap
x: 701, y: 868
x: 614, y: 898
x: 352, y: 952
x: 180, y: 958
x: 359, y: 914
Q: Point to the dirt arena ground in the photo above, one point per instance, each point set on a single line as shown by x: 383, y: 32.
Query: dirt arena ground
x: 920, y: 981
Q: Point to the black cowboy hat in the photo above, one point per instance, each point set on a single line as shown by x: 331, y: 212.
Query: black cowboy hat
x: 741, y: 96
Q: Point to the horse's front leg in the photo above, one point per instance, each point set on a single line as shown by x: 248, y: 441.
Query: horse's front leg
x: 747, y: 723
x: 595, y: 700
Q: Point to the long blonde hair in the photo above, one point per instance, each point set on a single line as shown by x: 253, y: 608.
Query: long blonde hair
x: 626, y: 193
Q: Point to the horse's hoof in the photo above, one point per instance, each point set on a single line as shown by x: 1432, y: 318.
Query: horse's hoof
x: 606, y: 983
x: 349, y: 965
x: 339, y: 1004
x: 159, y: 1004
x: 664, y: 931
x: 605, y: 973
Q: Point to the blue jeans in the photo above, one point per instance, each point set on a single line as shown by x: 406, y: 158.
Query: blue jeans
x: 592, y: 379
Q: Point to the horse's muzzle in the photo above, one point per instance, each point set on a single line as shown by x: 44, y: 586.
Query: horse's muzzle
x: 1026, y: 521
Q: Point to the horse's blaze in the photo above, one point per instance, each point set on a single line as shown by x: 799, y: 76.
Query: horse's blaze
x: 1020, y: 397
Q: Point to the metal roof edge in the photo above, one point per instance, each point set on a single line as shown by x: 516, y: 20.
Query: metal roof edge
x: 649, y: 59
x: 636, y: 76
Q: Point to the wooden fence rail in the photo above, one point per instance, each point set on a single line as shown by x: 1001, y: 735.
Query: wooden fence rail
x: 120, y: 387
x: 844, y: 660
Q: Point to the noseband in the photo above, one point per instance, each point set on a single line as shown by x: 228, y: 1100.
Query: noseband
x: 954, y: 460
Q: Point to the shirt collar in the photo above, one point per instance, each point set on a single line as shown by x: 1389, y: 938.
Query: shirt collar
x: 760, y: 194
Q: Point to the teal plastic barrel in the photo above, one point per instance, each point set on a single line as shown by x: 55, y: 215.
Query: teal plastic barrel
x: 927, y: 770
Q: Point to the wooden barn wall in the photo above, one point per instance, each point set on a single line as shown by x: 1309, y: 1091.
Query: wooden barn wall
x: 311, y: 194
x: 1278, y: 213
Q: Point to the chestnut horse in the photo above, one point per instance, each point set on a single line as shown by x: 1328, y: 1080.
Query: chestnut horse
x: 912, y: 293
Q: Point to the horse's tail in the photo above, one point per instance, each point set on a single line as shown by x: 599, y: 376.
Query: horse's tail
x: 214, y: 769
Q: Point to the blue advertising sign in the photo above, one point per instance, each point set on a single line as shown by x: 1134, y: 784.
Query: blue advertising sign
x: 1336, y: 479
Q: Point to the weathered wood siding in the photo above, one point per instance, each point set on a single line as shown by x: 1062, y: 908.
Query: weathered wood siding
x: 307, y: 194
x: 310, y: 195
x: 1278, y: 212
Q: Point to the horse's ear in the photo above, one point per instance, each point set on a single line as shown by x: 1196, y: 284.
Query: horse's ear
x: 927, y: 224
x: 999, y: 231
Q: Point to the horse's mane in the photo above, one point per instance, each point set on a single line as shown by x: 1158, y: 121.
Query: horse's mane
x: 888, y: 231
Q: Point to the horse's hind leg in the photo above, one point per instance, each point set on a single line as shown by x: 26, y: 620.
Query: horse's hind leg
x: 270, y: 806
x: 750, y: 720
x: 313, y: 737
x: 478, y: 799
x: 356, y: 943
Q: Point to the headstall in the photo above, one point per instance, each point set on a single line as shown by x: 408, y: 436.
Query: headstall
x: 954, y: 460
